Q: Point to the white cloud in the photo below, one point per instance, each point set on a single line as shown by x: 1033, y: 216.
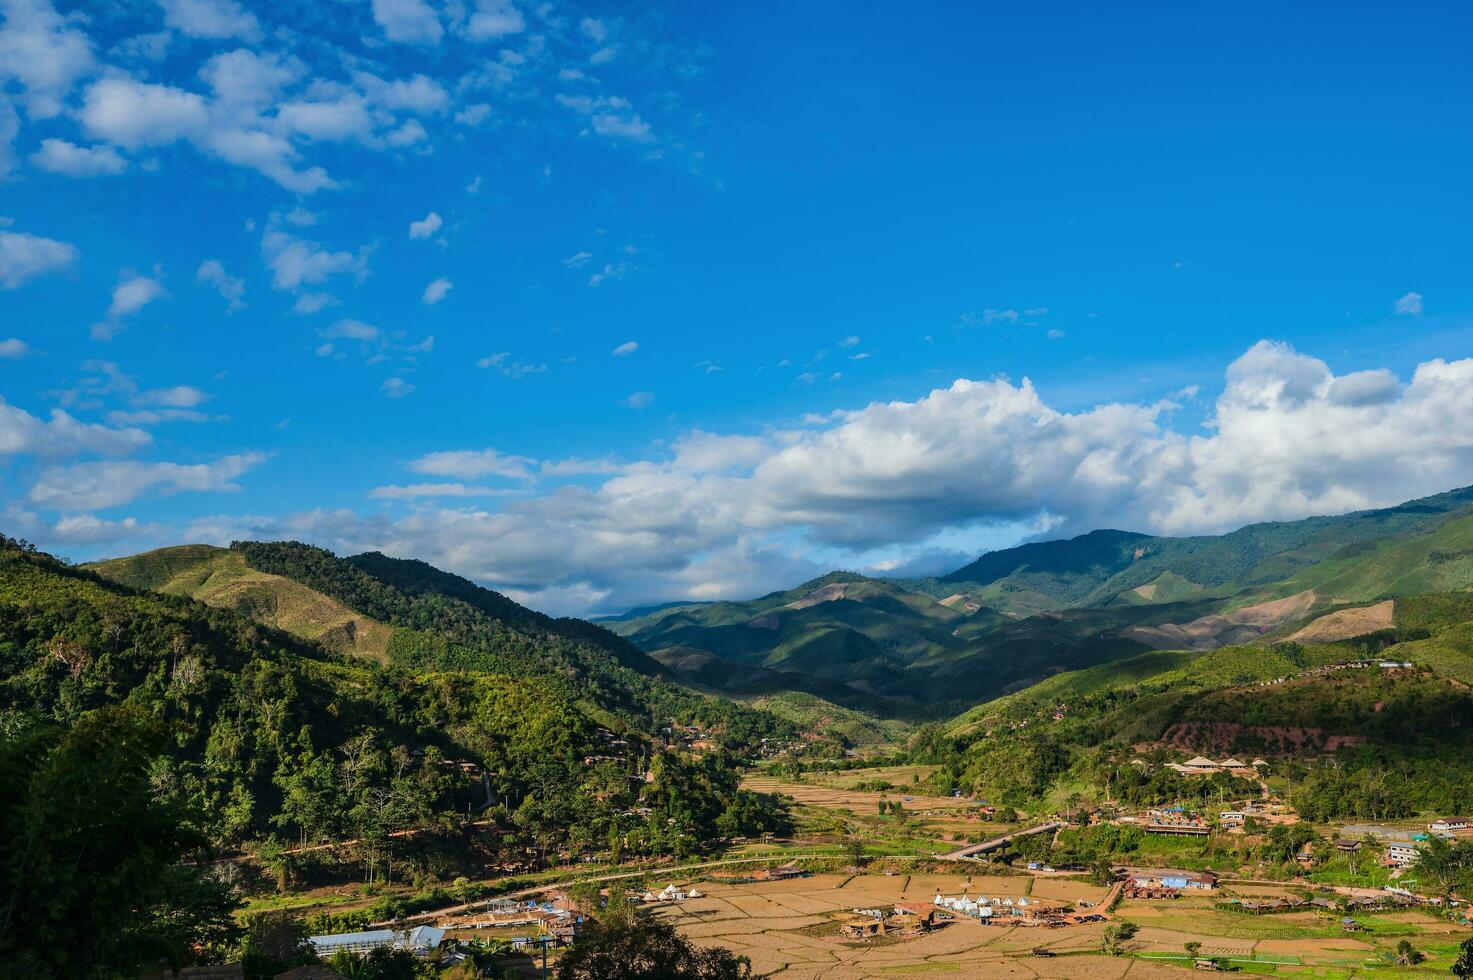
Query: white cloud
x: 22, y: 433
x: 91, y: 529
x: 13, y: 349
x: 9, y: 130
x: 212, y: 19
x: 43, y: 53
x: 296, y: 262
x: 473, y: 115
x: 989, y: 317
x: 61, y: 157
x: 100, y: 485
x: 309, y: 303
x: 418, y: 93
x: 494, y: 19
x: 1409, y: 305
x: 231, y: 288
x: 436, y: 291
x: 179, y: 396
x: 504, y: 363
x: 470, y: 464
x: 417, y: 491
x: 408, y: 21
x: 425, y: 227
x: 396, y: 388
x: 610, y: 116
x: 136, y: 114
x: 609, y: 273
x: 850, y: 341
x: 408, y: 134
x: 626, y: 348
x: 723, y: 515
x: 640, y: 399
x: 245, y: 80
x: 353, y: 330
x: 133, y: 294
x: 577, y: 260
x: 24, y: 257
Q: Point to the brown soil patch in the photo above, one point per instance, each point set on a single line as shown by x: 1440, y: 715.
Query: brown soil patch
x: 1347, y: 623
x: 1238, y: 626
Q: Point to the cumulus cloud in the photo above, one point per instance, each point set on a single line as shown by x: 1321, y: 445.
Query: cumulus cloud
x: 1409, y: 305
x: 493, y: 19
x: 610, y: 116
x: 436, y: 291
x: 626, y: 348
x: 91, y: 529
x: 113, y: 483
x: 13, y: 349
x: 724, y: 515
x: 639, y: 400
x: 503, y: 363
x: 61, y: 157
x: 609, y: 273
x: 22, y: 433
x: 135, y: 114
x: 133, y: 294
x: 425, y: 227
x: 396, y: 388
x: 471, y: 464
x: 43, y: 53
x: 213, y: 19
x: 296, y: 261
x: 418, y: 491
x: 408, y: 21
x: 24, y: 257
x: 231, y: 288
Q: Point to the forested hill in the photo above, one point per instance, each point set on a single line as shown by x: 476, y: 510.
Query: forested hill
x: 416, y: 617
x: 1120, y: 567
x: 136, y: 726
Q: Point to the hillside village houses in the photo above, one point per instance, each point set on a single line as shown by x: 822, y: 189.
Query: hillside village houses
x: 1449, y: 825
x: 1400, y: 854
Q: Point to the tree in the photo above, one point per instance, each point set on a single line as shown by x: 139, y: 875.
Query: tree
x: 1463, y: 965
x: 1192, y: 948
x: 854, y: 849
x: 647, y: 951
x: 1407, y: 954
x: 1116, y: 936
x: 91, y: 882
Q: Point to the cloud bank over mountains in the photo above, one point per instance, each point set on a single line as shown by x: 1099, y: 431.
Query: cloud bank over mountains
x: 720, y: 515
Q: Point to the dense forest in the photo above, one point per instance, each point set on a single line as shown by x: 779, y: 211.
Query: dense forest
x: 218, y: 734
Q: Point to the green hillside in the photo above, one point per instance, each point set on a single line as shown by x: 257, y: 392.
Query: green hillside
x: 228, y: 734
x: 220, y: 577
x: 874, y: 645
x: 1105, y: 567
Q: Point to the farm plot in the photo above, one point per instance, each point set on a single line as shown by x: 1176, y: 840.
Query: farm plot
x: 790, y: 929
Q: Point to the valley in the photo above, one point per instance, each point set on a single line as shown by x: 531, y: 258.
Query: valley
x: 372, y: 743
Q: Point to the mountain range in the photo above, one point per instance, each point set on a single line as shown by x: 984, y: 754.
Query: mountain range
x: 932, y: 647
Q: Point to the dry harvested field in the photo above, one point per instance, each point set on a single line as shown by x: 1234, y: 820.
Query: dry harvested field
x: 789, y: 929
x: 857, y: 801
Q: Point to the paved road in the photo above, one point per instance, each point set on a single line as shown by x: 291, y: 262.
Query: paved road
x: 997, y: 842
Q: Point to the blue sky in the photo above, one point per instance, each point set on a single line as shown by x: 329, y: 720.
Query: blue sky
x: 603, y: 305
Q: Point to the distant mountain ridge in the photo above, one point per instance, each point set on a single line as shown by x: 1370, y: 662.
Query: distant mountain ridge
x: 1018, y: 615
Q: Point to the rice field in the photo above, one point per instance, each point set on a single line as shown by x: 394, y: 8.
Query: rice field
x: 789, y: 929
